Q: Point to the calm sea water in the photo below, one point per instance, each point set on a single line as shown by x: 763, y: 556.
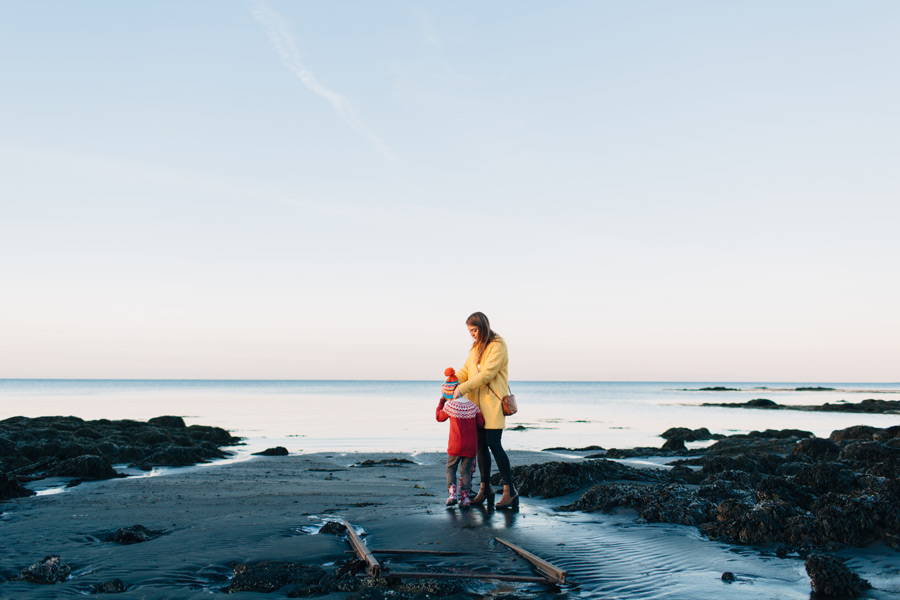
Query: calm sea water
x: 316, y: 416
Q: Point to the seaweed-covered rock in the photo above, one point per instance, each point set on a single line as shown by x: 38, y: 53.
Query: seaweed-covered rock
x: 268, y: 576
x: 654, y: 503
x: 135, y: 534
x: 762, y: 523
x: 168, y: 421
x: 817, y: 449
x: 674, y: 445
x: 88, y: 466
x: 333, y: 528
x: 688, y: 435
x: 756, y: 464
x: 11, y: 488
x: 50, y: 570
x: 775, y: 488
x: 553, y: 479
x: 831, y: 577
x: 854, y: 519
x: 72, y: 447
x: 857, y: 432
x: 384, y: 462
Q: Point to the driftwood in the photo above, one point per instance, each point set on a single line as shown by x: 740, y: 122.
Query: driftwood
x: 374, y: 567
x: 431, y: 552
x: 551, y: 572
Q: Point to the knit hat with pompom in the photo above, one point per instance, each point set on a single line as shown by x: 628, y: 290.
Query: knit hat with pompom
x: 449, y: 387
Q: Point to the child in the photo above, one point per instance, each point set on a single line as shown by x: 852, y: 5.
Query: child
x: 462, y: 447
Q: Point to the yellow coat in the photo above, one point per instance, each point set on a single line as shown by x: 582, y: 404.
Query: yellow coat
x: 494, y: 372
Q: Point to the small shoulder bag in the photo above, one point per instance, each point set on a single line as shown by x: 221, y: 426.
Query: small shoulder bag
x: 508, y: 403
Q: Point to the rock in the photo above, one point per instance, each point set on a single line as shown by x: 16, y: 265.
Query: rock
x: 113, y: 586
x: 831, y: 577
x: 333, y: 528
x: 268, y: 576
x: 11, y: 488
x: 869, y: 452
x: 135, y: 534
x: 88, y: 466
x: 826, y: 477
x: 553, y: 479
x: 775, y: 488
x: 167, y: 421
x: 688, y: 435
x: 674, y: 445
x: 40, y: 447
x: 276, y: 451
x: 654, y: 503
x: 755, y: 464
x: 216, y: 435
x: 385, y: 462
x: 816, y: 449
x: 50, y: 570
x: 683, y: 474
x: 857, y: 432
x: 728, y: 577
x: 762, y: 403
x: 177, y: 456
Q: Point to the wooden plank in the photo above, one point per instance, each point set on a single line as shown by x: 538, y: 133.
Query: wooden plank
x: 430, y: 552
x: 464, y: 575
x: 362, y: 551
x: 548, y: 570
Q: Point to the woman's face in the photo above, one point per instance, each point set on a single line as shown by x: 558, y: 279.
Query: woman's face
x: 473, y: 331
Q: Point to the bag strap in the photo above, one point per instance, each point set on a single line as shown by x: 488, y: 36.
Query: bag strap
x: 478, y: 368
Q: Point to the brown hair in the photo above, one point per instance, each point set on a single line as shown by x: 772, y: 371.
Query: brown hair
x: 485, y: 334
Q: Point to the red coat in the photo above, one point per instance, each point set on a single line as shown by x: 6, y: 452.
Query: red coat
x: 465, y: 418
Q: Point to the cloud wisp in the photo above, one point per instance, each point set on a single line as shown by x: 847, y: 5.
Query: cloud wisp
x: 283, y: 42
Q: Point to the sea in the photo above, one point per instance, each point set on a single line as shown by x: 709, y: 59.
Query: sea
x: 316, y: 416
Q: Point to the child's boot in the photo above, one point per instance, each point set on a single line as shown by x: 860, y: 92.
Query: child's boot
x: 464, y: 495
x: 451, y: 499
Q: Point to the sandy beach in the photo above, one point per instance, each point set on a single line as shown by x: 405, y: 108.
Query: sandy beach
x: 210, y: 518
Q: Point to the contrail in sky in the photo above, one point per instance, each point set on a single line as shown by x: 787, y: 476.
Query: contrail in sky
x: 283, y: 42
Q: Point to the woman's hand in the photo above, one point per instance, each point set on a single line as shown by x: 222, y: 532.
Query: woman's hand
x: 456, y: 394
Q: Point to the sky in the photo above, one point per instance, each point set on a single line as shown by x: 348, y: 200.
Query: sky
x: 267, y: 189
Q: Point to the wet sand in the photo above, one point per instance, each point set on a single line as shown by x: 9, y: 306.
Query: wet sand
x: 269, y: 508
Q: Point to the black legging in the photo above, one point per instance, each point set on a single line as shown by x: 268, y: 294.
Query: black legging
x: 490, y: 439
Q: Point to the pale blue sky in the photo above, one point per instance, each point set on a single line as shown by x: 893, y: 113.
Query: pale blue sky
x: 297, y: 190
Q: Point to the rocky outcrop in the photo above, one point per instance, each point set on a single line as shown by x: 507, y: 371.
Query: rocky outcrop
x: 803, y: 492
x: 41, y: 447
x: 831, y: 577
x: 552, y: 479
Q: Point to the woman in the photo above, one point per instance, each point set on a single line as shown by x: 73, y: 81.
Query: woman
x: 484, y: 380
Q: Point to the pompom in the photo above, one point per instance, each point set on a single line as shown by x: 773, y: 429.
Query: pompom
x: 449, y: 371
